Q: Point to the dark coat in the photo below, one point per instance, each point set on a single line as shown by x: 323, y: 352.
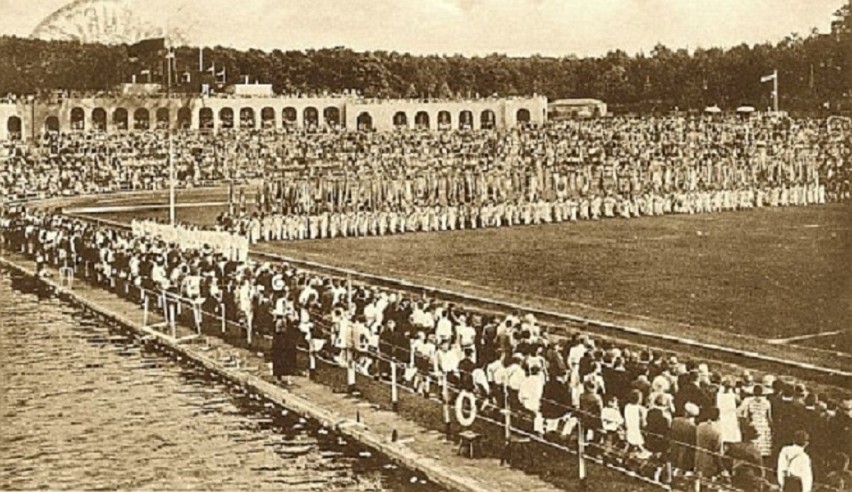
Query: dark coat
x: 708, y: 456
x: 657, y: 431
x: 285, y: 342
x: 683, y: 436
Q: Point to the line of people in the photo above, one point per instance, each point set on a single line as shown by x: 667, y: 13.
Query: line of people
x: 276, y: 227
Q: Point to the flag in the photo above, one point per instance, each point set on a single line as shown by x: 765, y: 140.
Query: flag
x: 769, y: 78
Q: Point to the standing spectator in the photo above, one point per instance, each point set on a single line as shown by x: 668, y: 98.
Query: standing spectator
x: 757, y: 410
x: 691, y: 392
x: 611, y: 425
x: 708, y: 441
x: 284, y: 345
x: 659, y: 425
x: 794, y: 465
x: 745, y: 464
x: 590, y: 407
x: 726, y: 402
x: 683, y: 435
x: 635, y: 420
x: 840, y: 479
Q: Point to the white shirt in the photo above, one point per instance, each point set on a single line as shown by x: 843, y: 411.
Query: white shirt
x: 611, y: 419
x: 793, y: 460
x: 467, y: 335
x: 530, y: 391
x: 496, y: 372
x: 576, y: 354
x: 444, y: 329
x: 446, y: 361
x: 515, y: 376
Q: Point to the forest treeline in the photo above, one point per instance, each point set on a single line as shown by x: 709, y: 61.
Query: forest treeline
x: 813, y: 71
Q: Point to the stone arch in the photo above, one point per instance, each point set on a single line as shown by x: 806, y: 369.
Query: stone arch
x: 226, y: 118
x: 365, y: 121
x: 51, y: 124
x: 331, y: 115
x: 162, y: 117
x: 400, y: 120
x: 267, y: 117
x: 141, y: 119
x: 78, y: 119
x: 523, y: 115
x: 14, y: 127
x: 247, y: 118
x: 487, y: 120
x: 206, y: 119
x: 120, y: 119
x: 99, y: 119
x: 421, y: 120
x: 466, y: 120
x: 310, y: 117
x: 445, y: 120
x: 184, y: 118
x: 289, y: 116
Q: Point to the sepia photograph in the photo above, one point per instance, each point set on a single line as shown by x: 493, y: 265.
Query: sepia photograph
x: 426, y: 245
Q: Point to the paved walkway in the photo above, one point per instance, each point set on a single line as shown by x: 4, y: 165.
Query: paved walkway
x: 417, y: 448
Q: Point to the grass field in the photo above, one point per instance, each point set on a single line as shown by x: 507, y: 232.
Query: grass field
x: 762, y: 275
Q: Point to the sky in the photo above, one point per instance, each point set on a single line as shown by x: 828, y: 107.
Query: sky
x: 469, y: 27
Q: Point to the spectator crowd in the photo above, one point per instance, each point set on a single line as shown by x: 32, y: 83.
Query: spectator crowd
x: 339, y: 182
x: 635, y: 407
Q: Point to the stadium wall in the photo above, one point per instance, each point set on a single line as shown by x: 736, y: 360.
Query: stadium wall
x: 133, y: 112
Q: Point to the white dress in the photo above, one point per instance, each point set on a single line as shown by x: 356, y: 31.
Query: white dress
x: 634, y: 420
x: 729, y: 425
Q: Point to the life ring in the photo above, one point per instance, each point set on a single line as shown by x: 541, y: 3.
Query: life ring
x: 465, y: 420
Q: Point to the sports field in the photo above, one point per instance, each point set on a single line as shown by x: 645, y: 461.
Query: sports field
x: 768, y: 275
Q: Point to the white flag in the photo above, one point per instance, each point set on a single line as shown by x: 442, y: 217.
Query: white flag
x: 768, y: 78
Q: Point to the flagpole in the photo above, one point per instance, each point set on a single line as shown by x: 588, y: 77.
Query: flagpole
x: 775, y: 90
x: 169, y: 136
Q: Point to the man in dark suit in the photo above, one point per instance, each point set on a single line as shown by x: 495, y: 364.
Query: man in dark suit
x: 690, y: 392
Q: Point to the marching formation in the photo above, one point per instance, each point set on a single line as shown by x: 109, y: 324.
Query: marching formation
x: 277, y: 227
x: 637, y: 407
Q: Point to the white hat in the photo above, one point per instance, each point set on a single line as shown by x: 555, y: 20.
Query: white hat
x: 691, y: 409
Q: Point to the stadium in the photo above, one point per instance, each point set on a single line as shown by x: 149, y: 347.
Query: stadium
x: 592, y: 278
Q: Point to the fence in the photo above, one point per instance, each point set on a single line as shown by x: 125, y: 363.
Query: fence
x: 497, y: 411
